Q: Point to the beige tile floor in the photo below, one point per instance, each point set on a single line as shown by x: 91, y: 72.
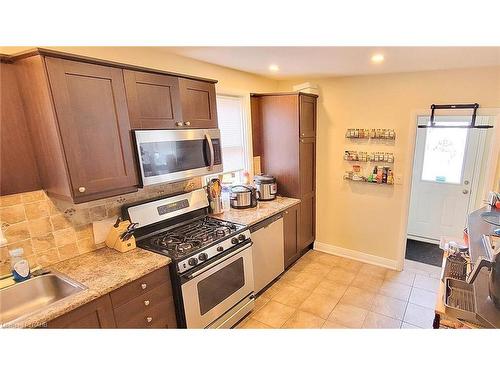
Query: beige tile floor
x: 326, y: 291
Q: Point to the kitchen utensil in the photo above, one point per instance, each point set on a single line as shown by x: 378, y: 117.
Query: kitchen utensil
x: 266, y: 187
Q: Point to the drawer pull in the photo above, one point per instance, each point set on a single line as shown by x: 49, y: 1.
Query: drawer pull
x: 82, y: 189
x: 187, y: 123
x: 146, y: 302
x: 149, y: 319
x: 144, y: 286
x: 178, y: 123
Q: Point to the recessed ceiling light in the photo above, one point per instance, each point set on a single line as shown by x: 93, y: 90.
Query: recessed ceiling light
x: 377, y: 58
x: 274, y: 68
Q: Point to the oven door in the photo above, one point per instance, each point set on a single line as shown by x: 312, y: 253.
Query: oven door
x: 213, y: 291
x: 171, y: 155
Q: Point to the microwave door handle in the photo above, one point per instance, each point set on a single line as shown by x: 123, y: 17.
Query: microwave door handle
x: 211, y: 148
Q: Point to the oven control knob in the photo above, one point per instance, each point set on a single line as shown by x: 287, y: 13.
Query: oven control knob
x: 242, y: 237
x: 234, y: 240
x: 203, y: 256
x: 193, y: 262
x: 220, y: 249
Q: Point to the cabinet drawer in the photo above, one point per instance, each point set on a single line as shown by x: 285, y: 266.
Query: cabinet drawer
x: 154, y: 309
x: 140, y: 286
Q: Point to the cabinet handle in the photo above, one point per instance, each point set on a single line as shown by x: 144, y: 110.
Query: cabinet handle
x: 178, y: 123
x: 81, y: 189
x: 187, y: 123
x: 149, y: 319
x: 144, y: 285
x: 303, y: 134
x: 146, y: 302
x: 286, y: 212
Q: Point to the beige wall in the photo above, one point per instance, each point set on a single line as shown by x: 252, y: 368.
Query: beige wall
x: 367, y: 218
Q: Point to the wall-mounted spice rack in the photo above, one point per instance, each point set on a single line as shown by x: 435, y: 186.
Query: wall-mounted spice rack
x: 380, y: 175
x: 386, y: 157
x: 371, y: 133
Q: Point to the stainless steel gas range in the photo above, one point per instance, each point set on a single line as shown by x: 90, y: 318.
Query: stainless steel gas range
x: 212, y: 273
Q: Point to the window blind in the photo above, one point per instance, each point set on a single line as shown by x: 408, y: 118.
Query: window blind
x: 231, y: 124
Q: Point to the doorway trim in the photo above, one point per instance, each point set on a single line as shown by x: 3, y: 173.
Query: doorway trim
x: 480, y: 190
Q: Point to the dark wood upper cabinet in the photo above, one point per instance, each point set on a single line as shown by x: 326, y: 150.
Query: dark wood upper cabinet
x: 93, y: 121
x: 18, y: 170
x: 80, y: 111
x: 153, y: 100
x: 199, y: 109
x: 307, y: 116
x: 290, y: 120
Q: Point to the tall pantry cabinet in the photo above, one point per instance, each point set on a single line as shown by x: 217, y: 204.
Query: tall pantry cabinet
x: 284, y: 137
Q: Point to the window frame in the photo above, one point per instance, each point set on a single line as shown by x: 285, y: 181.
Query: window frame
x: 246, y: 131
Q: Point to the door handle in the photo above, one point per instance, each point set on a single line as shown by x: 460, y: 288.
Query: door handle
x: 212, y: 155
x: 466, y: 182
x: 465, y: 191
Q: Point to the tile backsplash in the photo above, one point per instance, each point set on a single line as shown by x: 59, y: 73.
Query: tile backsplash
x: 51, y: 230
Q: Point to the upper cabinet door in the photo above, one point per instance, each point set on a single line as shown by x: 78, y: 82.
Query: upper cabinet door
x: 153, y: 100
x: 199, y: 108
x: 307, y: 116
x: 91, y: 110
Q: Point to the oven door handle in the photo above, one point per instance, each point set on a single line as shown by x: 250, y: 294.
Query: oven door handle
x: 212, y: 154
x: 197, y: 273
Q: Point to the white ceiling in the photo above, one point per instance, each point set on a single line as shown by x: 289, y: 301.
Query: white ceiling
x: 340, y: 61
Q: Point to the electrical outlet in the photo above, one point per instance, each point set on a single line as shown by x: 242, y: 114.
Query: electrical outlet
x: 398, y: 179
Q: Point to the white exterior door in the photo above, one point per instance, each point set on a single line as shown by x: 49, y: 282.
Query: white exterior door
x: 443, y: 172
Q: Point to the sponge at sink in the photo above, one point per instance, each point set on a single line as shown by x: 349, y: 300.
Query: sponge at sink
x: 8, y: 280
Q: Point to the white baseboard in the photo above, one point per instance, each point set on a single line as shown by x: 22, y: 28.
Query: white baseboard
x: 356, y: 255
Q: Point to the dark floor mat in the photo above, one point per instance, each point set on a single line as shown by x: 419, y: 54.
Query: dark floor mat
x: 424, y: 252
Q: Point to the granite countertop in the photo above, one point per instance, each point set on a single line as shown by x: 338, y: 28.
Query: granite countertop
x: 264, y: 209
x: 101, y: 271
x: 476, y: 227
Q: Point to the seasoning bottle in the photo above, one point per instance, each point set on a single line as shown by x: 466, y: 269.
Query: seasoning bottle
x: 384, y: 175
x: 390, y: 178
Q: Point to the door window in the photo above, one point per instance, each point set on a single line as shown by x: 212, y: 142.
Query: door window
x: 215, y: 288
x: 444, y: 153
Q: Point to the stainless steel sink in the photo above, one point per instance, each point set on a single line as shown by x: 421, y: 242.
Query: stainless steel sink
x: 32, y: 295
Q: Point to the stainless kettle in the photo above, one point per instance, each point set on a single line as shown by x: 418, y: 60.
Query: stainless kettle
x: 493, y: 264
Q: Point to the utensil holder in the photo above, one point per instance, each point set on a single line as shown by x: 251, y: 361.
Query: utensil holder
x: 216, y: 205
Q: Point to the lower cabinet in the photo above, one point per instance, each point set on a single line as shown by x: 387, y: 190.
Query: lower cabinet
x: 144, y: 303
x: 95, y: 314
x: 291, y: 225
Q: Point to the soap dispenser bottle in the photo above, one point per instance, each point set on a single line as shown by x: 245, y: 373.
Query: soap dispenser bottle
x: 20, y: 266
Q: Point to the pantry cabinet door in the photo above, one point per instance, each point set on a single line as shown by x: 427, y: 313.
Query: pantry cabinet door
x: 307, y: 151
x: 291, y: 222
x: 307, y: 221
x: 153, y: 100
x: 307, y: 116
x: 94, y: 126
x: 199, y: 108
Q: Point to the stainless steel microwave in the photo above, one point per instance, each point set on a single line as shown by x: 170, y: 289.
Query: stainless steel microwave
x: 172, y: 155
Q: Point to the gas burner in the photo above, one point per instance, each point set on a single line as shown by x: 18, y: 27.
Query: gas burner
x: 192, y: 236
